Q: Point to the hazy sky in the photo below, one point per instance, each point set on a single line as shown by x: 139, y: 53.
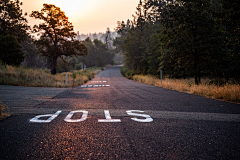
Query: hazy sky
x: 88, y: 16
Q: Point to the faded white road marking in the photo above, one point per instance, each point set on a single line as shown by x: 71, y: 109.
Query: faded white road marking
x: 51, y: 117
x: 85, y: 86
x: 98, y: 81
x: 108, y: 118
x: 83, y: 118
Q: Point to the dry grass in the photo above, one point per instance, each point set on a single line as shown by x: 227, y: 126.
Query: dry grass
x: 42, y: 78
x: 2, y: 114
x: 227, y: 92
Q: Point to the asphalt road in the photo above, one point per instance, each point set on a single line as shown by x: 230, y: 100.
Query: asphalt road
x: 112, y: 117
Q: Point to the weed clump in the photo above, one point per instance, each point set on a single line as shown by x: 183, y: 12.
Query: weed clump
x: 222, y: 91
x: 127, y: 73
x: 2, y: 114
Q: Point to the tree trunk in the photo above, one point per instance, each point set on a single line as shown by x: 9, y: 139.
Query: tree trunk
x: 54, y: 65
x: 196, y: 68
x: 196, y: 56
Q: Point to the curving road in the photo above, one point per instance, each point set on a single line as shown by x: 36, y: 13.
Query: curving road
x: 112, y: 117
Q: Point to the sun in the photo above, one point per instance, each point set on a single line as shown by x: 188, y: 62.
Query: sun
x: 71, y: 7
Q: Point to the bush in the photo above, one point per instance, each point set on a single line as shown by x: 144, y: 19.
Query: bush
x: 127, y: 73
x: 78, y: 66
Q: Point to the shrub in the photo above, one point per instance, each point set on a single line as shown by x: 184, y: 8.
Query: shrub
x: 2, y: 114
x: 78, y: 66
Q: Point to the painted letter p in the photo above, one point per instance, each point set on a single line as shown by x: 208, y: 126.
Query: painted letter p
x: 51, y: 117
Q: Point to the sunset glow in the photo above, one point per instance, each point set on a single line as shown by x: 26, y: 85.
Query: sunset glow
x: 87, y: 16
x: 71, y: 7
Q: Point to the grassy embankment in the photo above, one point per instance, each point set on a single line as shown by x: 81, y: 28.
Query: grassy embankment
x: 10, y: 75
x: 20, y: 76
x: 226, y: 92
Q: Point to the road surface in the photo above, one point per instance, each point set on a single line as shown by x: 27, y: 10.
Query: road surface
x: 112, y: 117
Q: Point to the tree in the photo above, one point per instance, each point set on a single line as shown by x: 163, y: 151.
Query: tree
x: 156, y: 50
x: 193, y: 40
x: 32, y: 59
x: 137, y: 40
x: 13, y: 27
x: 98, y: 54
x: 185, y: 38
x: 108, y: 39
x: 122, y: 30
x: 56, y: 35
x: 103, y: 54
x: 231, y: 31
x: 11, y: 53
x: 94, y: 35
x: 12, y: 21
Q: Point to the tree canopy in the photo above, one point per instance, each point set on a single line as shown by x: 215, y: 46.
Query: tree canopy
x: 56, y: 35
x: 98, y: 54
x: 11, y: 53
x: 12, y: 21
x: 183, y: 38
x: 13, y: 30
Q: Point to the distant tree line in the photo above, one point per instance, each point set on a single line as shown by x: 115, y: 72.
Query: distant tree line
x: 55, y: 45
x: 98, y: 55
x: 184, y: 38
x: 100, y: 36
